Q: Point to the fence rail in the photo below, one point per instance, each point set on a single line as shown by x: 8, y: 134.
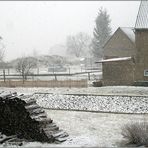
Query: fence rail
x: 53, y: 74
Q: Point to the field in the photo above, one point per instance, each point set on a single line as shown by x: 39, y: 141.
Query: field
x: 88, y: 129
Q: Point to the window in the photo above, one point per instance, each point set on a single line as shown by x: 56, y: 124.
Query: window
x: 146, y: 72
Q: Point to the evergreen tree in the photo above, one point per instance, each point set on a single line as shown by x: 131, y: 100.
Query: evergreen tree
x: 102, y: 32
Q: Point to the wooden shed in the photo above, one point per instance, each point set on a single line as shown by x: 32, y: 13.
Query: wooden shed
x: 118, y: 71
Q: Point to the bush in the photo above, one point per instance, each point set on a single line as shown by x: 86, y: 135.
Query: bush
x: 136, y: 134
x: 97, y: 83
x: 141, y: 83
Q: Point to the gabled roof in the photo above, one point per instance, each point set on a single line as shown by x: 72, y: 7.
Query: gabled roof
x: 142, y: 17
x: 129, y: 31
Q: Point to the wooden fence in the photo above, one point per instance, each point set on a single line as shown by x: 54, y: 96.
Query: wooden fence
x: 50, y: 83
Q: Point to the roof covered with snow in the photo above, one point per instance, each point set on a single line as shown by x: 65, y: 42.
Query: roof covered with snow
x: 142, y: 17
x: 129, y: 31
x: 115, y: 59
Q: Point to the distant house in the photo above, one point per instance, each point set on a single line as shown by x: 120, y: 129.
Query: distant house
x: 118, y: 62
x: 126, y: 52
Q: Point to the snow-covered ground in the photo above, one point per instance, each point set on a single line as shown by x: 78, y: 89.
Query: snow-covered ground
x: 93, y: 129
x: 107, y: 90
x: 87, y: 129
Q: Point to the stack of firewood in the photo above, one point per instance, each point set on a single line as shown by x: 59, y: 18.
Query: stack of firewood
x: 21, y: 117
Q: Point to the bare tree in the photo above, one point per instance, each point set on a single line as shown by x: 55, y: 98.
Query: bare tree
x: 78, y: 45
x: 24, y: 66
x: 1, y: 55
x: 2, y: 51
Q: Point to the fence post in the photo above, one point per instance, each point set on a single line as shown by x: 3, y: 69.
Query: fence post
x: 69, y: 70
x: 8, y: 71
x: 70, y: 84
x: 4, y: 75
x: 55, y: 77
x: 38, y: 71
x: 88, y: 75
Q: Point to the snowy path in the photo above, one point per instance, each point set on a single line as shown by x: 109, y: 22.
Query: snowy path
x: 108, y: 90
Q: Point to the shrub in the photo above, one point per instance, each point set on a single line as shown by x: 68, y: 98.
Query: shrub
x: 141, y: 83
x: 97, y: 83
x: 136, y: 134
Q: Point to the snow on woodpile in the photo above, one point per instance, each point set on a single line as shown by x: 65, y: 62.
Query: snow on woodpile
x: 118, y: 104
x: 22, y: 118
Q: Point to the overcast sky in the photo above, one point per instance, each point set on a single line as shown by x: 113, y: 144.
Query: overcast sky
x: 34, y: 25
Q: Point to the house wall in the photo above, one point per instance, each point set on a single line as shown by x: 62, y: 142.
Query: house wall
x: 119, y: 45
x: 141, y: 58
x: 118, y: 73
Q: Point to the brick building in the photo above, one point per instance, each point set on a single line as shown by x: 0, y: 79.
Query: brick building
x: 126, y: 53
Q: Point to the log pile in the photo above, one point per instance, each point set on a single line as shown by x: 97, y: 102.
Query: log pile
x: 22, y: 118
